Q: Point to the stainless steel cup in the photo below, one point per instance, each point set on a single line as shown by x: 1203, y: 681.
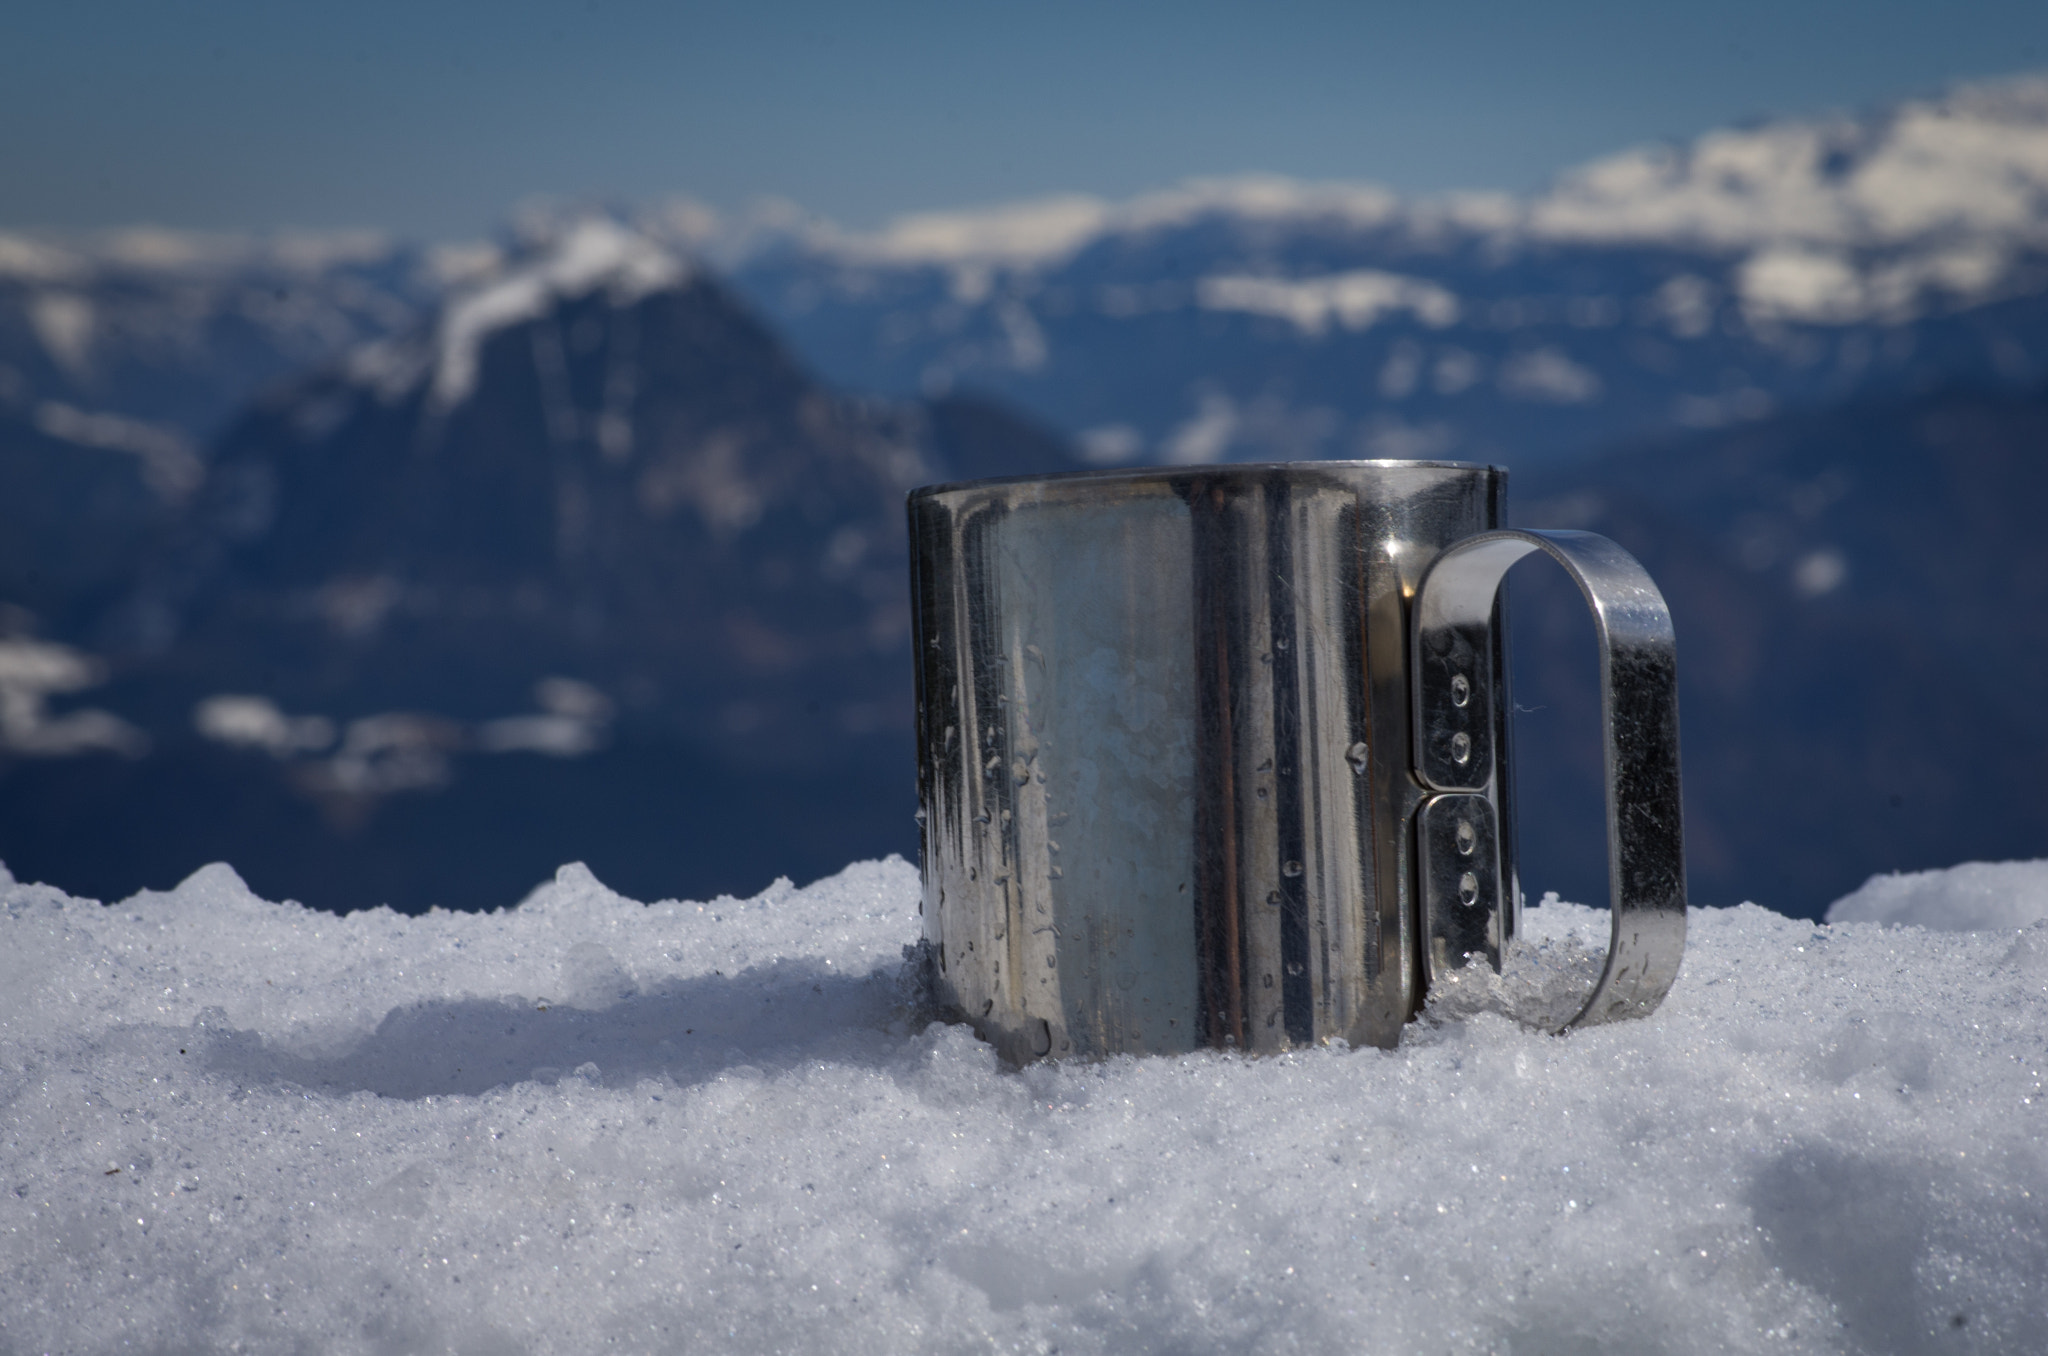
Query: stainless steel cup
x: 1218, y: 756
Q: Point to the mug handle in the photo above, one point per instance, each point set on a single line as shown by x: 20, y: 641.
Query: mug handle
x: 1454, y: 652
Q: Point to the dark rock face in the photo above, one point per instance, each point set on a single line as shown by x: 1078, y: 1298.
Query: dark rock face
x: 649, y: 497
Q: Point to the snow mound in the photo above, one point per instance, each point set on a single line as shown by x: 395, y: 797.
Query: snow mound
x: 589, y: 1123
x: 1967, y: 898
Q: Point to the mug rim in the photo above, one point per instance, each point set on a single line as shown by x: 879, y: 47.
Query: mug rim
x: 1132, y: 473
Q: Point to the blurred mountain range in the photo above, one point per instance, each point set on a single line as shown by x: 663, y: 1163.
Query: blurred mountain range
x: 401, y: 574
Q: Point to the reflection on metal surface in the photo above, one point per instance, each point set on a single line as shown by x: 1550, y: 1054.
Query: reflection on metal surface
x: 1166, y: 754
x: 1458, y: 607
x: 1465, y: 913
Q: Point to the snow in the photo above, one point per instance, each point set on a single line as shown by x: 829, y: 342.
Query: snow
x: 586, y: 1122
x: 1355, y: 300
x: 1548, y: 374
x: 1968, y: 166
x: 64, y: 323
x: 1043, y: 232
x: 143, y: 251
x: 37, y: 261
x: 590, y: 253
x: 1014, y: 233
x: 253, y: 721
x: 1974, y: 897
x: 1930, y: 204
x: 33, y: 671
x: 1974, y: 161
x: 170, y: 464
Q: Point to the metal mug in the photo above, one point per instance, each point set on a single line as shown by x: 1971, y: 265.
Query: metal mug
x: 1218, y: 756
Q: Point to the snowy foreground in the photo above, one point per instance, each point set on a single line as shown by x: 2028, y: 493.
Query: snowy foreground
x: 588, y: 1123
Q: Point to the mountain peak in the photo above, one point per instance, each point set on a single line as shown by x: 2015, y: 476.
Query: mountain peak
x: 585, y: 255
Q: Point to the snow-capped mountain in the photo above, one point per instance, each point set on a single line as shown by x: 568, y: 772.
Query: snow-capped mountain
x: 588, y: 509
x: 595, y: 460
x: 172, y: 332
x: 520, y: 548
x: 1777, y: 267
x: 1772, y: 267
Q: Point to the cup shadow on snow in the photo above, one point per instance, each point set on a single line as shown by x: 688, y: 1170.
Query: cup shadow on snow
x: 1905, y: 1251
x: 688, y: 1030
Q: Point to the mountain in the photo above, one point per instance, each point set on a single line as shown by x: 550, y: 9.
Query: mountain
x: 397, y: 574
x: 1775, y: 268
x: 590, y: 531
x: 1771, y: 268
x: 173, y: 332
x: 1861, y: 599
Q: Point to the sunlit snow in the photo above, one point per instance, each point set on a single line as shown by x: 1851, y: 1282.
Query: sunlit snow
x: 588, y: 1123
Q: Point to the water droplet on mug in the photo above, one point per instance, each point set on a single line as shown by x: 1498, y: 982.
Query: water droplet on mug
x: 1468, y: 889
x: 987, y: 1006
x: 1273, y: 898
x: 1262, y: 793
x: 920, y: 815
x: 1461, y: 690
x: 1461, y: 748
x: 1468, y: 837
x: 1358, y: 755
x: 1041, y: 1038
x: 1290, y: 868
x: 982, y: 818
x: 1020, y: 771
x: 1269, y: 981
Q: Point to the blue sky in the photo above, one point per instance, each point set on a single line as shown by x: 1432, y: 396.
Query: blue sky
x: 434, y: 119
